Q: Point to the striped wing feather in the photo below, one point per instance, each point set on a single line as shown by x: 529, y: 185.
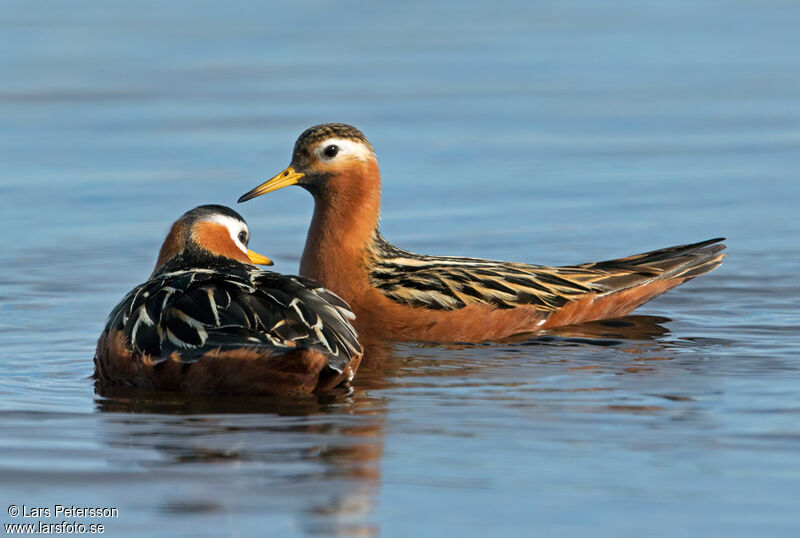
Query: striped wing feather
x: 451, y: 283
x: 196, y: 311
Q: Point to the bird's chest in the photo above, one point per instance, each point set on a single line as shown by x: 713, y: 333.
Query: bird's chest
x: 345, y: 275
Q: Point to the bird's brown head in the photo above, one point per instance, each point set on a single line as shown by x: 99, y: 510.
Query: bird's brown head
x: 328, y: 158
x: 205, y: 233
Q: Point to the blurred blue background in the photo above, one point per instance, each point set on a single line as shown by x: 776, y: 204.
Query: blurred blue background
x: 546, y: 132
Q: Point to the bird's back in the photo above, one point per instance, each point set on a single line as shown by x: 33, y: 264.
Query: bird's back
x: 452, y: 283
x: 184, y: 316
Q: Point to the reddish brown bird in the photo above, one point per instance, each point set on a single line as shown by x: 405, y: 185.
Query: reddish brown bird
x: 209, y: 320
x: 401, y: 295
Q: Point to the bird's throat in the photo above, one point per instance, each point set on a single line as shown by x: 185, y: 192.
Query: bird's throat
x: 342, y: 227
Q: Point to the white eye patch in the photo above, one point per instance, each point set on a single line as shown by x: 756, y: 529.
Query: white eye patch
x: 234, y: 227
x: 346, y: 147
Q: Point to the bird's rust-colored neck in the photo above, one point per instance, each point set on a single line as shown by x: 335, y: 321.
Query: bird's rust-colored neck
x: 346, y: 213
x: 172, y: 246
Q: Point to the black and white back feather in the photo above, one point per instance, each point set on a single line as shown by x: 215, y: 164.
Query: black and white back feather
x: 232, y: 305
x: 451, y: 283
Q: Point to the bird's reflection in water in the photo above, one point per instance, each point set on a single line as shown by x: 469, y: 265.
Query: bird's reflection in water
x: 319, y: 458
x: 606, y: 332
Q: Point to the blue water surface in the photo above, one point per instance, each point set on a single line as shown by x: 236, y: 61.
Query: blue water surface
x: 546, y: 132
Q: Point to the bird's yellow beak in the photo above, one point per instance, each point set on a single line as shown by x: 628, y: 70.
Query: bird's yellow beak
x: 284, y: 179
x: 257, y: 258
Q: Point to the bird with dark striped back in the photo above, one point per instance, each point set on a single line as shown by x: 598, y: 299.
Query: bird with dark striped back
x: 401, y: 295
x: 208, y: 320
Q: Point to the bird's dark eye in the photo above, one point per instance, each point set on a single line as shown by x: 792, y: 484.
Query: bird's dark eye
x: 331, y: 150
x: 243, y: 237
